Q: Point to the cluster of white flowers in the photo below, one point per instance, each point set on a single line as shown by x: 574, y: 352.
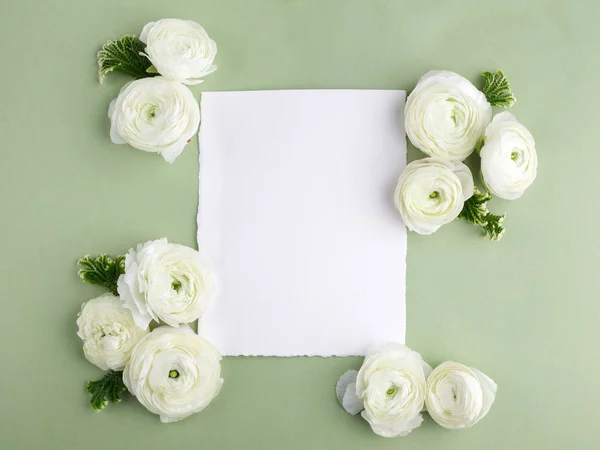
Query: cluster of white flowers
x: 172, y: 371
x: 160, y: 114
x: 448, y: 118
x: 394, y: 386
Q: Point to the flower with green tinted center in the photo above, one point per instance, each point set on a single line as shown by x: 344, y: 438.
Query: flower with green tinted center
x: 431, y: 192
x: 508, y: 157
x: 390, y: 387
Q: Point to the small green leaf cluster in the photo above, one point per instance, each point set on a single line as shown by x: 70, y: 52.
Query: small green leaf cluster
x: 476, y: 212
x: 124, y: 55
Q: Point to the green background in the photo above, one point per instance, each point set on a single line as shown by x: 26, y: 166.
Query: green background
x: 525, y: 310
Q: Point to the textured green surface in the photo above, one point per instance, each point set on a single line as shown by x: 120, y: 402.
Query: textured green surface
x: 525, y: 310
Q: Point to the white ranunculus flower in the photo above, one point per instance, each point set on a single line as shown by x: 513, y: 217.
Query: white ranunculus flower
x: 174, y: 373
x: 179, y: 49
x: 154, y: 115
x: 458, y: 396
x: 108, y: 332
x: 508, y: 157
x: 431, y: 192
x: 446, y: 115
x: 391, y: 386
x: 166, y: 282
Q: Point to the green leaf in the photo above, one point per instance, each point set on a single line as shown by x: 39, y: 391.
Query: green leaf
x: 497, y: 89
x: 124, y: 55
x: 475, y: 211
x: 107, y: 389
x: 102, y: 271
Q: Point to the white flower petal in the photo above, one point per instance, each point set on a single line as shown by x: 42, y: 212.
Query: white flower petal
x: 347, y: 378
x: 192, y: 81
x: 145, y: 31
x: 427, y: 369
x: 466, y: 179
x: 398, y: 428
x: 171, y: 153
x: 141, y: 320
x: 351, y: 402
x: 489, y: 389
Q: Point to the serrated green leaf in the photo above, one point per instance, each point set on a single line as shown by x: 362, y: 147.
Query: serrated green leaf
x: 107, y: 389
x: 497, y: 89
x: 124, y: 55
x: 475, y: 211
x: 102, y: 271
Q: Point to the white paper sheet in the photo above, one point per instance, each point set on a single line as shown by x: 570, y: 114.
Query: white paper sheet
x: 296, y: 212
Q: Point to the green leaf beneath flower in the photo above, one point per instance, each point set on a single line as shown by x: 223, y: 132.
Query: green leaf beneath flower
x: 475, y: 211
x: 107, y: 389
x: 497, y: 89
x: 124, y: 55
x: 102, y: 271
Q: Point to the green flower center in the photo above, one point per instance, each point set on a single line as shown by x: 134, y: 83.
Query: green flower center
x: 514, y: 155
x: 434, y: 194
x: 391, y: 391
x: 176, y: 285
x: 152, y: 112
x: 457, y: 114
x: 173, y: 374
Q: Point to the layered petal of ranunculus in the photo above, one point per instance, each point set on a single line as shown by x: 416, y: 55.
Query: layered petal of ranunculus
x: 431, y: 192
x: 174, y: 373
x: 166, y: 282
x: 345, y: 390
x: 108, y: 332
x: 179, y: 50
x: 391, y: 383
x: 508, y: 157
x: 458, y: 396
x: 446, y: 115
x: 154, y: 115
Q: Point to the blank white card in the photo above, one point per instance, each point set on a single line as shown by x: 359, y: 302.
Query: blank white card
x: 296, y: 213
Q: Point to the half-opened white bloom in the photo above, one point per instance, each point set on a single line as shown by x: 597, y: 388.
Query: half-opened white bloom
x: 174, y: 373
x: 458, y: 396
x: 154, y: 115
x: 391, y: 387
x: 165, y: 282
x: 179, y: 49
x: 108, y: 332
x: 508, y: 157
x: 431, y: 192
x: 446, y: 115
